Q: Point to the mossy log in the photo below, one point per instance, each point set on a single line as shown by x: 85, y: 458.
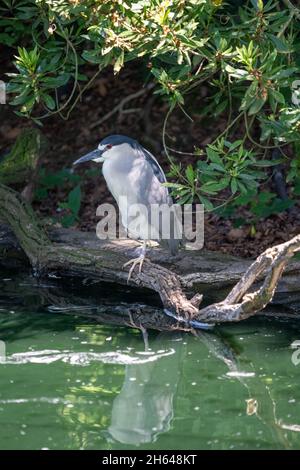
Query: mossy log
x: 21, y: 162
x: 180, y: 281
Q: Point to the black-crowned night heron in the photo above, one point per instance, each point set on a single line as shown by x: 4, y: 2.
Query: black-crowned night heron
x: 133, y: 175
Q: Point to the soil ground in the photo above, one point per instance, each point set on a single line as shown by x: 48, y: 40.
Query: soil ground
x: 70, y: 139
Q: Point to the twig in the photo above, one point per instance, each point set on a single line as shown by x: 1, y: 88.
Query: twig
x: 230, y: 108
x: 194, y: 154
x: 295, y: 10
x: 121, y: 104
x: 70, y: 44
x: 227, y: 128
x: 257, y: 144
x: 130, y: 111
x: 88, y: 84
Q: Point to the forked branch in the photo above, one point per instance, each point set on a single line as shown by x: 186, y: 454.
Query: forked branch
x: 240, y: 303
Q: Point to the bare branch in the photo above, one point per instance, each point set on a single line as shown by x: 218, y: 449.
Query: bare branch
x: 120, y: 106
x: 273, y: 261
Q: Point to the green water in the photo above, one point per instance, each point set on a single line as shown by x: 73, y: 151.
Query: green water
x: 68, y: 382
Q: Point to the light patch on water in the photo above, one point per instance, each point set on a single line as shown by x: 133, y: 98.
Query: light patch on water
x: 49, y: 356
x: 290, y: 427
x: 237, y: 373
x: 69, y: 308
x: 49, y: 400
x: 146, y: 353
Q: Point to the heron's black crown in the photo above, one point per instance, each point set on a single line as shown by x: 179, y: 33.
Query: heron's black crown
x: 118, y: 139
x: 138, y: 150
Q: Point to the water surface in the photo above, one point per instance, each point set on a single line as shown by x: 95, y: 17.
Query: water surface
x: 68, y: 382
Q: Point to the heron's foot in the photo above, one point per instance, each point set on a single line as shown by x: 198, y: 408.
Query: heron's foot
x: 135, y: 262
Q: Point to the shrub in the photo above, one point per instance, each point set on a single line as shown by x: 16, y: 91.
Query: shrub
x: 247, y: 52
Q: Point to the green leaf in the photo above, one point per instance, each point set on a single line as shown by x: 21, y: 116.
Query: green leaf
x: 56, y: 82
x: 68, y: 220
x: 208, y: 205
x: 277, y: 96
x: 49, y: 101
x: 119, y: 63
x: 284, y: 73
x: 179, y: 57
x: 94, y: 57
x: 234, y: 145
x: 28, y: 105
x: 74, y: 200
x: 237, y: 73
x: 22, y: 98
x: 41, y: 193
x: 233, y: 185
x: 256, y: 106
x: 214, y: 156
x: 174, y: 185
x: 190, y: 174
x: 267, y: 163
x: 211, y: 187
x: 280, y: 45
x: 258, y: 4
x: 220, y: 107
x: 185, y: 199
x: 242, y: 187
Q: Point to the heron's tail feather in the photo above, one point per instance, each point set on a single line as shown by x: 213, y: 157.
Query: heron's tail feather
x: 175, y: 239
x: 173, y: 245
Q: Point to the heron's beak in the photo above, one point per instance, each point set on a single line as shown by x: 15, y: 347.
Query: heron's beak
x: 95, y: 155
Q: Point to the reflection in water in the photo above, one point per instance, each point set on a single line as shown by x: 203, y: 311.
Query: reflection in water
x: 69, y: 382
x: 144, y: 407
x: 81, y: 358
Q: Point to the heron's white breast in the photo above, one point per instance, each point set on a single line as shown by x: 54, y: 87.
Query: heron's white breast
x: 131, y: 181
x: 117, y: 171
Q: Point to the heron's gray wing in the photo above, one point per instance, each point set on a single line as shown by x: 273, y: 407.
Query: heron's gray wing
x: 157, y: 170
x: 159, y: 194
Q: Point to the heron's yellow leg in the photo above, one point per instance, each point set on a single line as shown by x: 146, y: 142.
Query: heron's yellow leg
x: 136, y: 261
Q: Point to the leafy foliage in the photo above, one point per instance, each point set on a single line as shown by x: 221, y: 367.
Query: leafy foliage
x: 67, y: 184
x: 247, y: 53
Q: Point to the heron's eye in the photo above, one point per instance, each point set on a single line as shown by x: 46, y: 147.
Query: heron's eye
x: 109, y: 146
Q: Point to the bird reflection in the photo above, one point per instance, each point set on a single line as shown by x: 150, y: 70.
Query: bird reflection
x: 144, y: 407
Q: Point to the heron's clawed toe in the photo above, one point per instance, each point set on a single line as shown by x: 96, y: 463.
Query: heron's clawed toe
x: 135, y: 261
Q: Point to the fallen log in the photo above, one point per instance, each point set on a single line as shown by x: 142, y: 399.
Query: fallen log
x: 173, y: 279
x: 200, y: 271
